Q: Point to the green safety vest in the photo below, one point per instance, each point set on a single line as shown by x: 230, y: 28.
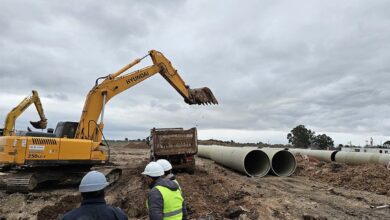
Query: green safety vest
x: 172, y: 203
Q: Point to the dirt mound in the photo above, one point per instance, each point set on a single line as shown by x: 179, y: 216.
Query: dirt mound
x: 130, y: 193
x: 367, y: 177
x: 137, y: 145
x: 64, y: 205
x: 207, y: 195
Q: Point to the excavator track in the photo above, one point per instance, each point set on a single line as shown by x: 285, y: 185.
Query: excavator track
x: 113, y: 174
x: 27, y: 180
x: 24, y: 182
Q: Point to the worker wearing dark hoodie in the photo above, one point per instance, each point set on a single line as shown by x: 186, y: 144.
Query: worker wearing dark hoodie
x: 165, y: 201
x: 93, y: 206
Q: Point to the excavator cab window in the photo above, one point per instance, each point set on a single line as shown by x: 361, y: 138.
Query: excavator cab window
x: 1, y: 131
x: 66, y: 129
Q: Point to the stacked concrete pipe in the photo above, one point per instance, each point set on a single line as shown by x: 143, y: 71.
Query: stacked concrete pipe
x: 283, y: 162
x: 252, y: 162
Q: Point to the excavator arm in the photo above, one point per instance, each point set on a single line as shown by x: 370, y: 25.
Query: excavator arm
x: 114, y: 84
x: 19, y: 109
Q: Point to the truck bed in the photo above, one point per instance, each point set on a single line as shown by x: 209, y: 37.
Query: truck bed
x: 174, y: 141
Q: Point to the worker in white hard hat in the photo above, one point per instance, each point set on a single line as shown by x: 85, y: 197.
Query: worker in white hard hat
x: 93, y: 204
x: 165, y: 201
x: 167, y: 166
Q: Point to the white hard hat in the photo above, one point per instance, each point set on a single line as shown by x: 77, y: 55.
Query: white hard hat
x: 93, y: 181
x: 153, y: 169
x: 165, y: 164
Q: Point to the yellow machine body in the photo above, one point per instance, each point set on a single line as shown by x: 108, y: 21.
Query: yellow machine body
x: 41, y: 151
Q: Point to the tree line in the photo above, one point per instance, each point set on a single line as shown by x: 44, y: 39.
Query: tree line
x: 301, y: 137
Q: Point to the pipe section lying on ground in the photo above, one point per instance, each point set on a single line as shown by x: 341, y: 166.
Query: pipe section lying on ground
x: 344, y: 156
x: 283, y: 162
x: 385, y: 159
x: 321, y: 155
x: 204, y: 151
x: 252, y: 162
x: 361, y: 158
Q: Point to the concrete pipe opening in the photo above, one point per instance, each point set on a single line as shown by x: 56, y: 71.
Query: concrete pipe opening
x: 333, y: 155
x: 257, y: 163
x: 283, y: 163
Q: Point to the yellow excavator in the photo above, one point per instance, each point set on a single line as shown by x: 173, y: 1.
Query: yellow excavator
x: 9, y: 124
x: 77, y: 146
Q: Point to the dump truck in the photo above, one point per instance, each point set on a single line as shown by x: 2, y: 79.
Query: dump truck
x: 176, y: 145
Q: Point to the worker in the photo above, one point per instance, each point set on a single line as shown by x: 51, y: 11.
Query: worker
x: 93, y: 205
x: 167, y: 166
x: 165, y: 201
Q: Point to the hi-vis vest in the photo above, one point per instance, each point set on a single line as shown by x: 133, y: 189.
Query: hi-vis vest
x: 172, y: 203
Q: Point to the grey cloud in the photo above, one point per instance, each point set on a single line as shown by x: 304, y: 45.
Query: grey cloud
x: 58, y: 96
x: 272, y: 65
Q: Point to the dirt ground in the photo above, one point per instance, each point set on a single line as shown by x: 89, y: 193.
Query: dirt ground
x: 315, y: 191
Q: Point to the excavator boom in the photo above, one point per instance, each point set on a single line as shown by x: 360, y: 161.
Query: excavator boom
x: 116, y: 83
x: 20, y: 108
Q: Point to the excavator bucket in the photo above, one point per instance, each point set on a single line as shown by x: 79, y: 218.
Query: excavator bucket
x: 201, y: 96
x: 39, y: 124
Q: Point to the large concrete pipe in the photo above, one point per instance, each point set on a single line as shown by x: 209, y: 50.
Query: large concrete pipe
x: 361, y: 158
x: 283, y: 162
x: 298, y: 151
x: 252, y: 162
x: 321, y: 155
x: 204, y: 151
x: 385, y: 159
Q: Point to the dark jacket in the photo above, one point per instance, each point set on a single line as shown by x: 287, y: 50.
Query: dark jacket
x: 92, y: 209
x: 170, y: 176
x: 155, y: 199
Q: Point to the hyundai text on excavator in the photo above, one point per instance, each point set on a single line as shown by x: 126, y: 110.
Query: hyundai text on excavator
x: 77, y: 146
x: 9, y: 123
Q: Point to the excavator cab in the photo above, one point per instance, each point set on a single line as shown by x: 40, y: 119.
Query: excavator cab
x: 66, y: 129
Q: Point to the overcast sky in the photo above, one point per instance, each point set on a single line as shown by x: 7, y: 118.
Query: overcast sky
x: 272, y: 65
